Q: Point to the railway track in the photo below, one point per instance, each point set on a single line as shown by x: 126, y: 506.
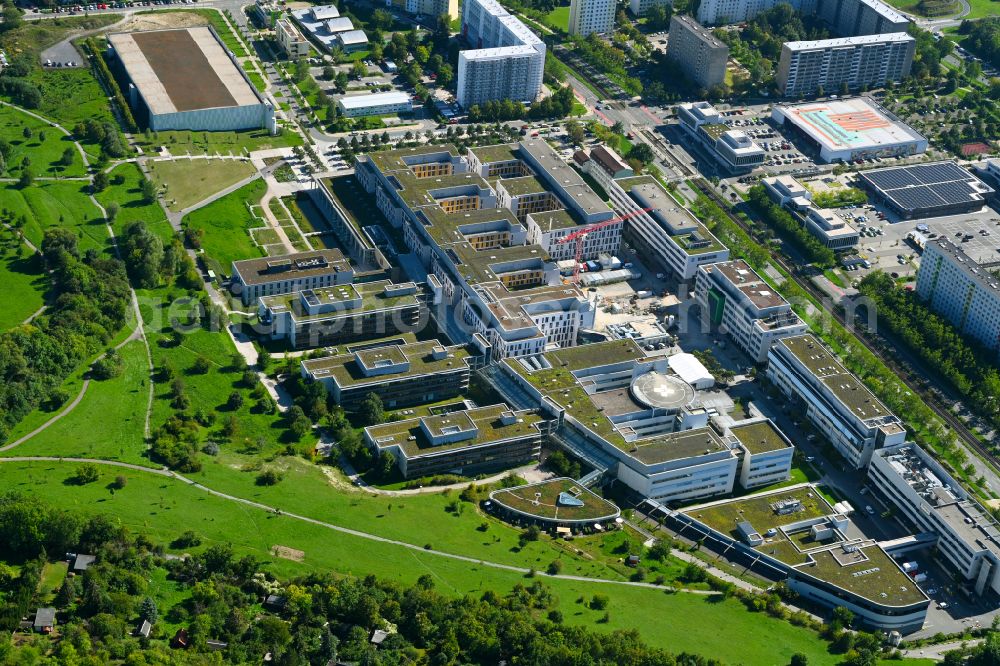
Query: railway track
x: 907, y: 376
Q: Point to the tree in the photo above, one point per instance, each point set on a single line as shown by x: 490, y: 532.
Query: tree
x: 27, y: 133
x: 112, y: 211
x: 642, y: 152
x: 11, y: 18
x: 148, y: 610
x: 371, y: 411
x: 100, y: 181
x: 85, y: 473
x: 108, y: 366
x: 67, y: 157
x: 358, y: 70
x: 381, y: 20
x: 201, y: 365
x: 142, y: 251
x: 301, y: 71
x: 148, y: 189
x: 329, y: 73
x: 799, y: 659
x: 235, y: 400
x: 599, y: 602
x: 26, y: 180
x: 386, y: 463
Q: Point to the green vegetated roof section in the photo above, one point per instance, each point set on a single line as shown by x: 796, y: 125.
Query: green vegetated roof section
x: 842, y: 383
x: 714, y: 131
x: 343, y: 367
x: 676, y: 445
x: 504, y: 152
x: 560, y: 385
x: 523, y: 185
x: 756, y: 510
x: 486, y: 420
x: 372, y: 295
x: 760, y: 437
x: 868, y: 573
x: 392, y: 160
x: 553, y: 220
x: 542, y: 500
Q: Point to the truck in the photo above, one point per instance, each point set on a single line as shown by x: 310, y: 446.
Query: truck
x: 644, y: 293
x: 910, y: 567
x: 920, y: 578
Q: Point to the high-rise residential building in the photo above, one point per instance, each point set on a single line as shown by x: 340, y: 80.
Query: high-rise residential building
x: 428, y: 7
x: 507, y: 59
x: 640, y: 7
x: 845, y: 17
x: 960, y: 284
x: 700, y: 54
x: 871, y: 61
x: 587, y: 16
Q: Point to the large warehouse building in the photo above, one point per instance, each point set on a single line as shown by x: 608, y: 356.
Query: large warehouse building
x: 186, y: 79
x: 927, y: 190
x: 849, y: 129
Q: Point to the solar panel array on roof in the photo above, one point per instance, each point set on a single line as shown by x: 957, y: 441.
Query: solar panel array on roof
x: 927, y: 186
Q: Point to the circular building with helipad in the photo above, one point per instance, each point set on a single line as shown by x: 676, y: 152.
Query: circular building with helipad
x: 658, y: 390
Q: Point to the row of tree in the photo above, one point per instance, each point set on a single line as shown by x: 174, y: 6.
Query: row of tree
x: 790, y: 229
x: 970, y: 370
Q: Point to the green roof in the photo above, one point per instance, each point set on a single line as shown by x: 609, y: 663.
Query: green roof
x: 542, y: 500
x: 372, y: 295
x: 760, y: 437
x: 554, y: 220
x: 843, y: 384
x: 756, y: 510
x: 676, y: 445
x: 714, y: 131
x: 868, y: 572
x: 485, y: 420
x: 517, y: 187
x: 504, y: 152
x: 595, y: 355
x: 345, y: 371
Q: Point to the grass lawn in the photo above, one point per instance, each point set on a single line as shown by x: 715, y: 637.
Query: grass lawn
x: 558, y: 18
x: 44, y: 148
x: 126, y: 190
x: 53, y: 575
x: 216, y: 143
x: 24, y: 281
x: 164, y: 508
x: 49, y: 204
x: 225, y: 223
x: 189, y: 181
x: 118, y: 404
x: 79, y: 85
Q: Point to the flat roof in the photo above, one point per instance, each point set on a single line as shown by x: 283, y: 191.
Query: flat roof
x: 501, y: 152
x: 522, y: 185
x: 183, y: 69
x: 853, y: 123
x: 741, y: 276
x: 371, y: 294
x: 553, y: 220
x: 676, y: 446
x: 409, y: 435
x: 971, y: 264
x: 844, y: 385
x: 684, y: 228
x: 927, y: 186
x: 564, y: 176
x: 392, y: 97
x: 866, y: 571
x: 760, y: 437
x: 343, y: 369
x: 261, y: 270
x: 698, y: 30
x: 542, y: 500
x: 838, y: 42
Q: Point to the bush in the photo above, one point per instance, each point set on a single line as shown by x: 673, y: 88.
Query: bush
x: 555, y: 566
x: 85, y: 473
x: 269, y: 477
x: 186, y: 540
x: 599, y: 602
x: 201, y: 365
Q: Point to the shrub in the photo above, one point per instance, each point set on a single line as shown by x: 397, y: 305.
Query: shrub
x: 599, y: 602
x: 269, y: 477
x: 85, y: 473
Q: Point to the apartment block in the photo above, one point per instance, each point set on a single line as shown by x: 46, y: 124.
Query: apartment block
x: 506, y: 60
x: 588, y: 16
x: 854, y: 421
x: 930, y: 500
x: 960, y: 283
x: 858, y: 62
x: 401, y: 374
x: 285, y: 274
x: 844, y: 17
x: 738, y: 302
x: 466, y: 441
x: 700, y: 54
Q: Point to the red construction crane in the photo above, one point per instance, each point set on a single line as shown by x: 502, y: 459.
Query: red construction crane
x: 580, y: 234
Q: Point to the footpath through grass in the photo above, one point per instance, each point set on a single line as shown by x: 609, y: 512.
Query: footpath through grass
x: 51, y: 203
x: 164, y: 508
x: 187, y: 182
x: 225, y: 224
x: 24, y: 281
x: 125, y: 189
x: 43, y: 149
x: 109, y: 421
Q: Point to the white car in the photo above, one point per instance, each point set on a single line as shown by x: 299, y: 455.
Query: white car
x: 869, y: 510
